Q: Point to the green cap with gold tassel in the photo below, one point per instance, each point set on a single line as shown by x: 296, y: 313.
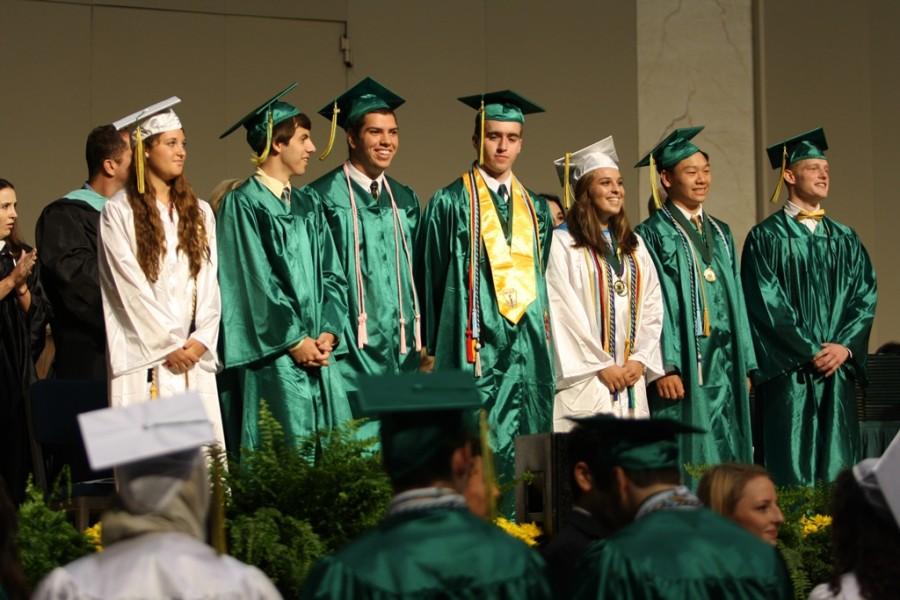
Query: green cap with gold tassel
x: 261, y: 121
x: 811, y: 144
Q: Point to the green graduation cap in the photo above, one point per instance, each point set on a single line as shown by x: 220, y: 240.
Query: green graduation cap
x: 347, y: 109
x: 505, y: 105
x: 420, y: 414
x: 638, y: 444
x: 811, y: 144
x: 260, y: 121
x: 672, y: 150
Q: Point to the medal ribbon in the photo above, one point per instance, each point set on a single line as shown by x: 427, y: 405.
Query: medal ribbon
x: 512, y: 265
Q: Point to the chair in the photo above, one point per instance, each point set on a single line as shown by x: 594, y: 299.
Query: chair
x: 878, y: 405
x: 53, y: 409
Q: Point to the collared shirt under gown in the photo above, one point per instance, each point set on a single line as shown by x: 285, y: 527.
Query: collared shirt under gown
x: 281, y: 282
x: 517, y: 383
x: 804, y: 288
x: 721, y: 405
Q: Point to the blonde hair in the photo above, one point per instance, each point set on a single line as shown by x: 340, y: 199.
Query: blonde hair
x: 721, y: 487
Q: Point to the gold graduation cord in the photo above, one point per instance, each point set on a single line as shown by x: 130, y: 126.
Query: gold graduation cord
x: 777, y: 193
x: 512, y: 265
x: 154, y: 378
x: 334, y: 116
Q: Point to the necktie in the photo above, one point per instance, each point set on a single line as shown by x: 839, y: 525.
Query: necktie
x: 503, y: 192
x: 697, y: 220
x: 374, y: 189
x: 286, y: 195
x: 818, y: 215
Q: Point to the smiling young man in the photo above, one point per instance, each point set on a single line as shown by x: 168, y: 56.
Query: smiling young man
x: 373, y: 220
x: 811, y: 297
x: 706, y: 346
x: 481, y: 253
x: 283, y: 289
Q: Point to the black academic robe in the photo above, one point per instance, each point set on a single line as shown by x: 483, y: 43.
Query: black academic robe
x: 66, y: 236
x: 567, y: 547
x: 21, y: 340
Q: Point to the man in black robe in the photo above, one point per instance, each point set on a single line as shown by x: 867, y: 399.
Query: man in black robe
x: 66, y: 236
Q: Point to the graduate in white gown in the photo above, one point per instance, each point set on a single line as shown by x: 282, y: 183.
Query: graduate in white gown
x: 605, y: 302
x: 157, y: 263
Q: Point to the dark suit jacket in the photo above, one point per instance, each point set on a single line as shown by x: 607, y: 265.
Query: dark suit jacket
x: 564, y: 551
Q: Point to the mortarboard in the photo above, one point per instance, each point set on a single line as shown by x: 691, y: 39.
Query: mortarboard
x: 147, y: 122
x: 575, y: 165
x: 504, y: 105
x: 674, y: 148
x: 260, y: 121
x: 811, y: 144
x: 347, y: 109
x: 880, y: 480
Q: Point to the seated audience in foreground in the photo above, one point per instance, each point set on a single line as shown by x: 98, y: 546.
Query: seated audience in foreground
x: 746, y: 495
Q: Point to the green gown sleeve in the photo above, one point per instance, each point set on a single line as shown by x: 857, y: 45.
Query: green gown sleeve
x: 672, y: 353
x: 742, y: 325
x: 432, y: 262
x: 859, y: 311
x: 259, y: 320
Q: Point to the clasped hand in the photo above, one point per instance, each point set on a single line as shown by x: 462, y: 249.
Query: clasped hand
x: 183, y: 360
x: 617, y: 378
x: 314, y: 352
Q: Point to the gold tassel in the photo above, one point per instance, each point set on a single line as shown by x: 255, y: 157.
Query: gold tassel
x: 334, y: 114
x: 139, y: 159
x: 705, y: 322
x: 567, y: 187
x: 487, y: 466
x: 259, y: 160
x: 777, y: 194
x: 217, y: 518
x: 481, y: 137
x: 654, y: 183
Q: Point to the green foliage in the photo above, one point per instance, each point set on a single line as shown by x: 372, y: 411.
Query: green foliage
x: 807, y: 555
x: 46, y: 539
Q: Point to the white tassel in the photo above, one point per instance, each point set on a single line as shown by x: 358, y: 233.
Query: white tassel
x: 402, y: 336
x: 418, y: 333
x: 477, y: 364
x: 699, y: 372
x: 362, y: 332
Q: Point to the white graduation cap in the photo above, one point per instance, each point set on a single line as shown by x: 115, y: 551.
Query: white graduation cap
x: 115, y: 437
x: 573, y: 166
x: 146, y: 113
x: 879, y: 479
x: 154, y: 119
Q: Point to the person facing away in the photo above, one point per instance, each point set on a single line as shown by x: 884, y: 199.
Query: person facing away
x: 283, y: 289
x: 666, y: 545
x: 66, y: 233
x: 157, y: 265
x: 707, y: 352
x: 373, y: 220
x: 606, y: 309
x: 430, y: 545
x: 811, y: 295
x: 481, y: 253
x: 154, y: 542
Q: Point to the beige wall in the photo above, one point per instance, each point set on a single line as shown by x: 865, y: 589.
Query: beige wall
x: 68, y: 66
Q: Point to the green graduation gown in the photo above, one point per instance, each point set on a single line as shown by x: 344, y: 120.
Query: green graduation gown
x: 720, y: 403
x: 281, y: 281
x: 516, y: 382
x: 804, y: 288
x: 683, y: 554
x: 378, y: 263
x: 433, y: 553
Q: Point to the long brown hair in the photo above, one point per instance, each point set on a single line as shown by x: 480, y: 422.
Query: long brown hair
x: 584, y: 224
x: 148, y: 228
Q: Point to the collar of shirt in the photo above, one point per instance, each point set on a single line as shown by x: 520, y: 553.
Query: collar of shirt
x: 792, y: 210
x: 676, y: 498
x: 272, y: 184
x: 493, y: 184
x: 2, y: 245
x: 425, y: 499
x: 363, y: 180
x: 688, y: 214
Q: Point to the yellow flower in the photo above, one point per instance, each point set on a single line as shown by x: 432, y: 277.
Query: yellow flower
x: 93, y: 536
x: 814, y: 524
x: 526, y: 532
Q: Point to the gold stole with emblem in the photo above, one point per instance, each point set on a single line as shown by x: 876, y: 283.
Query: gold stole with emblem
x: 512, y: 265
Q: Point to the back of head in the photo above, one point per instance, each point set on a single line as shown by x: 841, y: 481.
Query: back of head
x: 721, y: 486
x: 103, y: 142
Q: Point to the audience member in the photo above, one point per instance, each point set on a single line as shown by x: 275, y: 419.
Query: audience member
x: 746, y: 495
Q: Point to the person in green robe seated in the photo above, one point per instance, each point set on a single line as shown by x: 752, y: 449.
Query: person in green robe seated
x: 706, y: 347
x: 811, y: 297
x: 283, y: 289
x: 482, y: 249
x: 667, y: 546
x: 373, y: 220
x: 430, y: 545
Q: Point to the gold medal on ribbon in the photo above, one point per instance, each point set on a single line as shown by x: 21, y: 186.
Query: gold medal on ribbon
x: 709, y: 275
x: 619, y: 287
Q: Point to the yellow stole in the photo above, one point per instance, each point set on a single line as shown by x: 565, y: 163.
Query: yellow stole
x: 512, y: 265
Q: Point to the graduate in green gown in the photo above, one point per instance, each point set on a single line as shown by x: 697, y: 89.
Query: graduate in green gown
x: 430, y: 545
x: 283, y: 289
x: 706, y: 346
x: 480, y: 270
x: 811, y: 299
x: 667, y: 546
x: 373, y: 220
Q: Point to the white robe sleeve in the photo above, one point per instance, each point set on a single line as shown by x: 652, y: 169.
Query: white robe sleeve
x: 209, y: 306
x: 577, y: 351
x: 140, y: 331
x: 647, y: 348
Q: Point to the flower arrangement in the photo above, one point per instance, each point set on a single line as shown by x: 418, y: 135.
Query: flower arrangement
x: 94, y: 535
x: 526, y: 532
x: 814, y: 524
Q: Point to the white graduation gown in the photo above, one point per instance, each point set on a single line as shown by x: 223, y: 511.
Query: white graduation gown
x: 146, y: 321
x: 157, y: 565
x: 577, y: 326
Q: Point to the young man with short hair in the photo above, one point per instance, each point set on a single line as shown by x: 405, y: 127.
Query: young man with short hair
x: 282, y: 287
x: 811, y: 296
x: 706, y: 346
x: 482, y: 249
x: 66, y: 234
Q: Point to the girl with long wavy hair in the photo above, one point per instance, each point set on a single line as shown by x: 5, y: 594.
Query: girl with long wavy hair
x: 158, y: 276
x: 605, y: 302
